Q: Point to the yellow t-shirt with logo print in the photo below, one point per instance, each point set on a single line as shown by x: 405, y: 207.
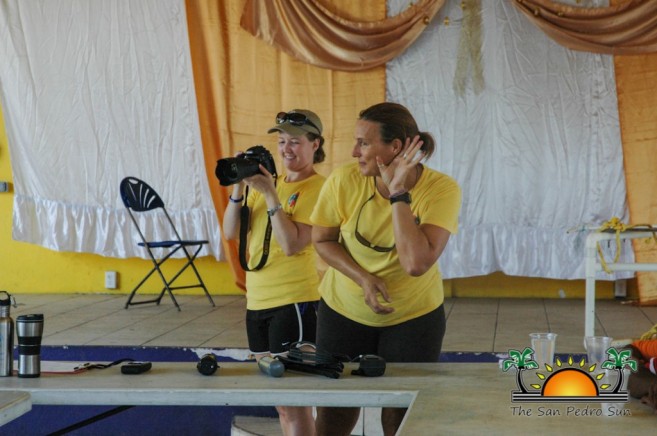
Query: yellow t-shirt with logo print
x: 436, y: 199
x: 284, y: 279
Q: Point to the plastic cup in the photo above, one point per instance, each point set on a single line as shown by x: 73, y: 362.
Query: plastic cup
x: 611, y: 377
x: 596, y: 348
x: 543, y: 345
x: 596, y: 353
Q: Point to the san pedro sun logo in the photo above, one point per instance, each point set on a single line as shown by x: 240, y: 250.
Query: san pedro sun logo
x: 570, y: 381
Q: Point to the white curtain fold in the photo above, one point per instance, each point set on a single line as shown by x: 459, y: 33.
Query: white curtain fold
x: 537, y: 152
x: 95, y: 91
x: 108, y: 232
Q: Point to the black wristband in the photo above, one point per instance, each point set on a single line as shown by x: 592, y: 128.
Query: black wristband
x: 405, y: 197
x: 235, y: 200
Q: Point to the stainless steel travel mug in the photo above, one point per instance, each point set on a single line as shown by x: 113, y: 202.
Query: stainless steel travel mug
x: 29, y: 330
x: 6, y: 336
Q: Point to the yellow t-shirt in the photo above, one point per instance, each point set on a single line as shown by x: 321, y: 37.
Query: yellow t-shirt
x: 436, y: 199
x: 284, y: 279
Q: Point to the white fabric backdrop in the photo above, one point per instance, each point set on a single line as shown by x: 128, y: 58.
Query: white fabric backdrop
x: 94, y: 91
x: 536, y: 153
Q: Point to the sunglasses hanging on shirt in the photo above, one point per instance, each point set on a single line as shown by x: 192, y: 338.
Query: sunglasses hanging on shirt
x: 360, y: 238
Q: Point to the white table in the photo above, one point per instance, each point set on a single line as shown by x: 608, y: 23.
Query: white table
x: 445, y: 398
x: 13, y: 404
x: 593, y: 266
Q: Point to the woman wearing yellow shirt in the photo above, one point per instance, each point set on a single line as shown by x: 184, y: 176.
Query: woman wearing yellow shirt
x: 282, y: 295
x: 381, y: 224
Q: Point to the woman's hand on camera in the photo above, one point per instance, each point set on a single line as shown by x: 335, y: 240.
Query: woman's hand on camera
x: 263, y: 182
x: 396, y: 173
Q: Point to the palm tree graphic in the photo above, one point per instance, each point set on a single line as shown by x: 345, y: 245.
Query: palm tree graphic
x: 521, y: 361
x: 618, y: 361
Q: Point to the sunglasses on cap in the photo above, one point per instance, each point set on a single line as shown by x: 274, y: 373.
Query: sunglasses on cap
x: 296, y: 119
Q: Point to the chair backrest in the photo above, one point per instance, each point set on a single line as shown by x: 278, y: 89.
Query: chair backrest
x: 138, y: 195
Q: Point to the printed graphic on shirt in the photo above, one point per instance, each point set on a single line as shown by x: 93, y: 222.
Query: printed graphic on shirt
x: 292, y: 200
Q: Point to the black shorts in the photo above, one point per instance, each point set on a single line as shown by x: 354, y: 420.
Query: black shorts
x: 416, y: 340
x: 274, y: 330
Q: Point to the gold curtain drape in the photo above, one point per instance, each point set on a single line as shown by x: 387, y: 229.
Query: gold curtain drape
x: 313, y: 34
x: 241, y: 83
x: 626, y: 27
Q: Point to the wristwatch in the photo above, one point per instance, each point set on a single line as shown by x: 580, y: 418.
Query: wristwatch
x: 405, y: 197
x: 273, y: 210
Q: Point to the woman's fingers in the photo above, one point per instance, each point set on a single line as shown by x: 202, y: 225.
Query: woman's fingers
x: 412, y: 152
x: 371, y: 292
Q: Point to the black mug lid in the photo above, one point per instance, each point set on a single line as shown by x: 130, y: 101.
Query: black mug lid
x: 34, y: 317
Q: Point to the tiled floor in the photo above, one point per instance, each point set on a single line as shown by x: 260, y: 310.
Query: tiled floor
x: 473, y: 325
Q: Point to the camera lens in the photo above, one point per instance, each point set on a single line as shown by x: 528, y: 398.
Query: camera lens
x: 233, y: 169
x: 207, y: 365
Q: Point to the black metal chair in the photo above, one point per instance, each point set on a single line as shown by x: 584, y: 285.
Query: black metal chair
x: 138, y: 196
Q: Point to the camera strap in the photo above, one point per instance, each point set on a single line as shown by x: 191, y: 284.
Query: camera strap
x: 90, y: 365
x: 244, y: 230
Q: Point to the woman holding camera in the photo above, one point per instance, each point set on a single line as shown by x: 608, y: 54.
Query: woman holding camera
x: 381, y: 224
x: 282, y: 295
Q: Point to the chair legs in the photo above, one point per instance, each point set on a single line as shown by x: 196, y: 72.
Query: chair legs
x: 201, y: 283
x: 168, y: 283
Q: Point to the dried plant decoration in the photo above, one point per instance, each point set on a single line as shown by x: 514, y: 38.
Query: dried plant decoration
x: 469, y: 51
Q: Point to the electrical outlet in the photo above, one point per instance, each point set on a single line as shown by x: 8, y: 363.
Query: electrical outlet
x: 110, y: 279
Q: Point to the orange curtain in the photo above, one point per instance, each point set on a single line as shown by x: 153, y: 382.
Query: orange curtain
x: 625, y: 27
x: 317, y: 36
x: 209, y: 39
x: 635, y: 81
x: 241, y: 83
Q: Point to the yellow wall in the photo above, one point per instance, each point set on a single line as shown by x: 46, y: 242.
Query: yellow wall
x: 499, y: 285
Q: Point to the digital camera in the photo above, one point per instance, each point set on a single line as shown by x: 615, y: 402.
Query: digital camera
x: 231, y: 170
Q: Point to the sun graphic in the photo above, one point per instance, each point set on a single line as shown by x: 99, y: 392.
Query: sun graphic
x: 570, y: 382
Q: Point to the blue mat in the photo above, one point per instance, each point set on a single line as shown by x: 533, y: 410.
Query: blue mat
x: 79, y: 353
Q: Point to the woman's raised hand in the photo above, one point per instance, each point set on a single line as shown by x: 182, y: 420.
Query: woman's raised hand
x: 396, y: 173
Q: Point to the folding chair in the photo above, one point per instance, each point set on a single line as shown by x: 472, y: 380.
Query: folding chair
x: 138, y: 196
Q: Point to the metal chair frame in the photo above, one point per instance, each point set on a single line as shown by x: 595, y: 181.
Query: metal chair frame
x: 138, y: 196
